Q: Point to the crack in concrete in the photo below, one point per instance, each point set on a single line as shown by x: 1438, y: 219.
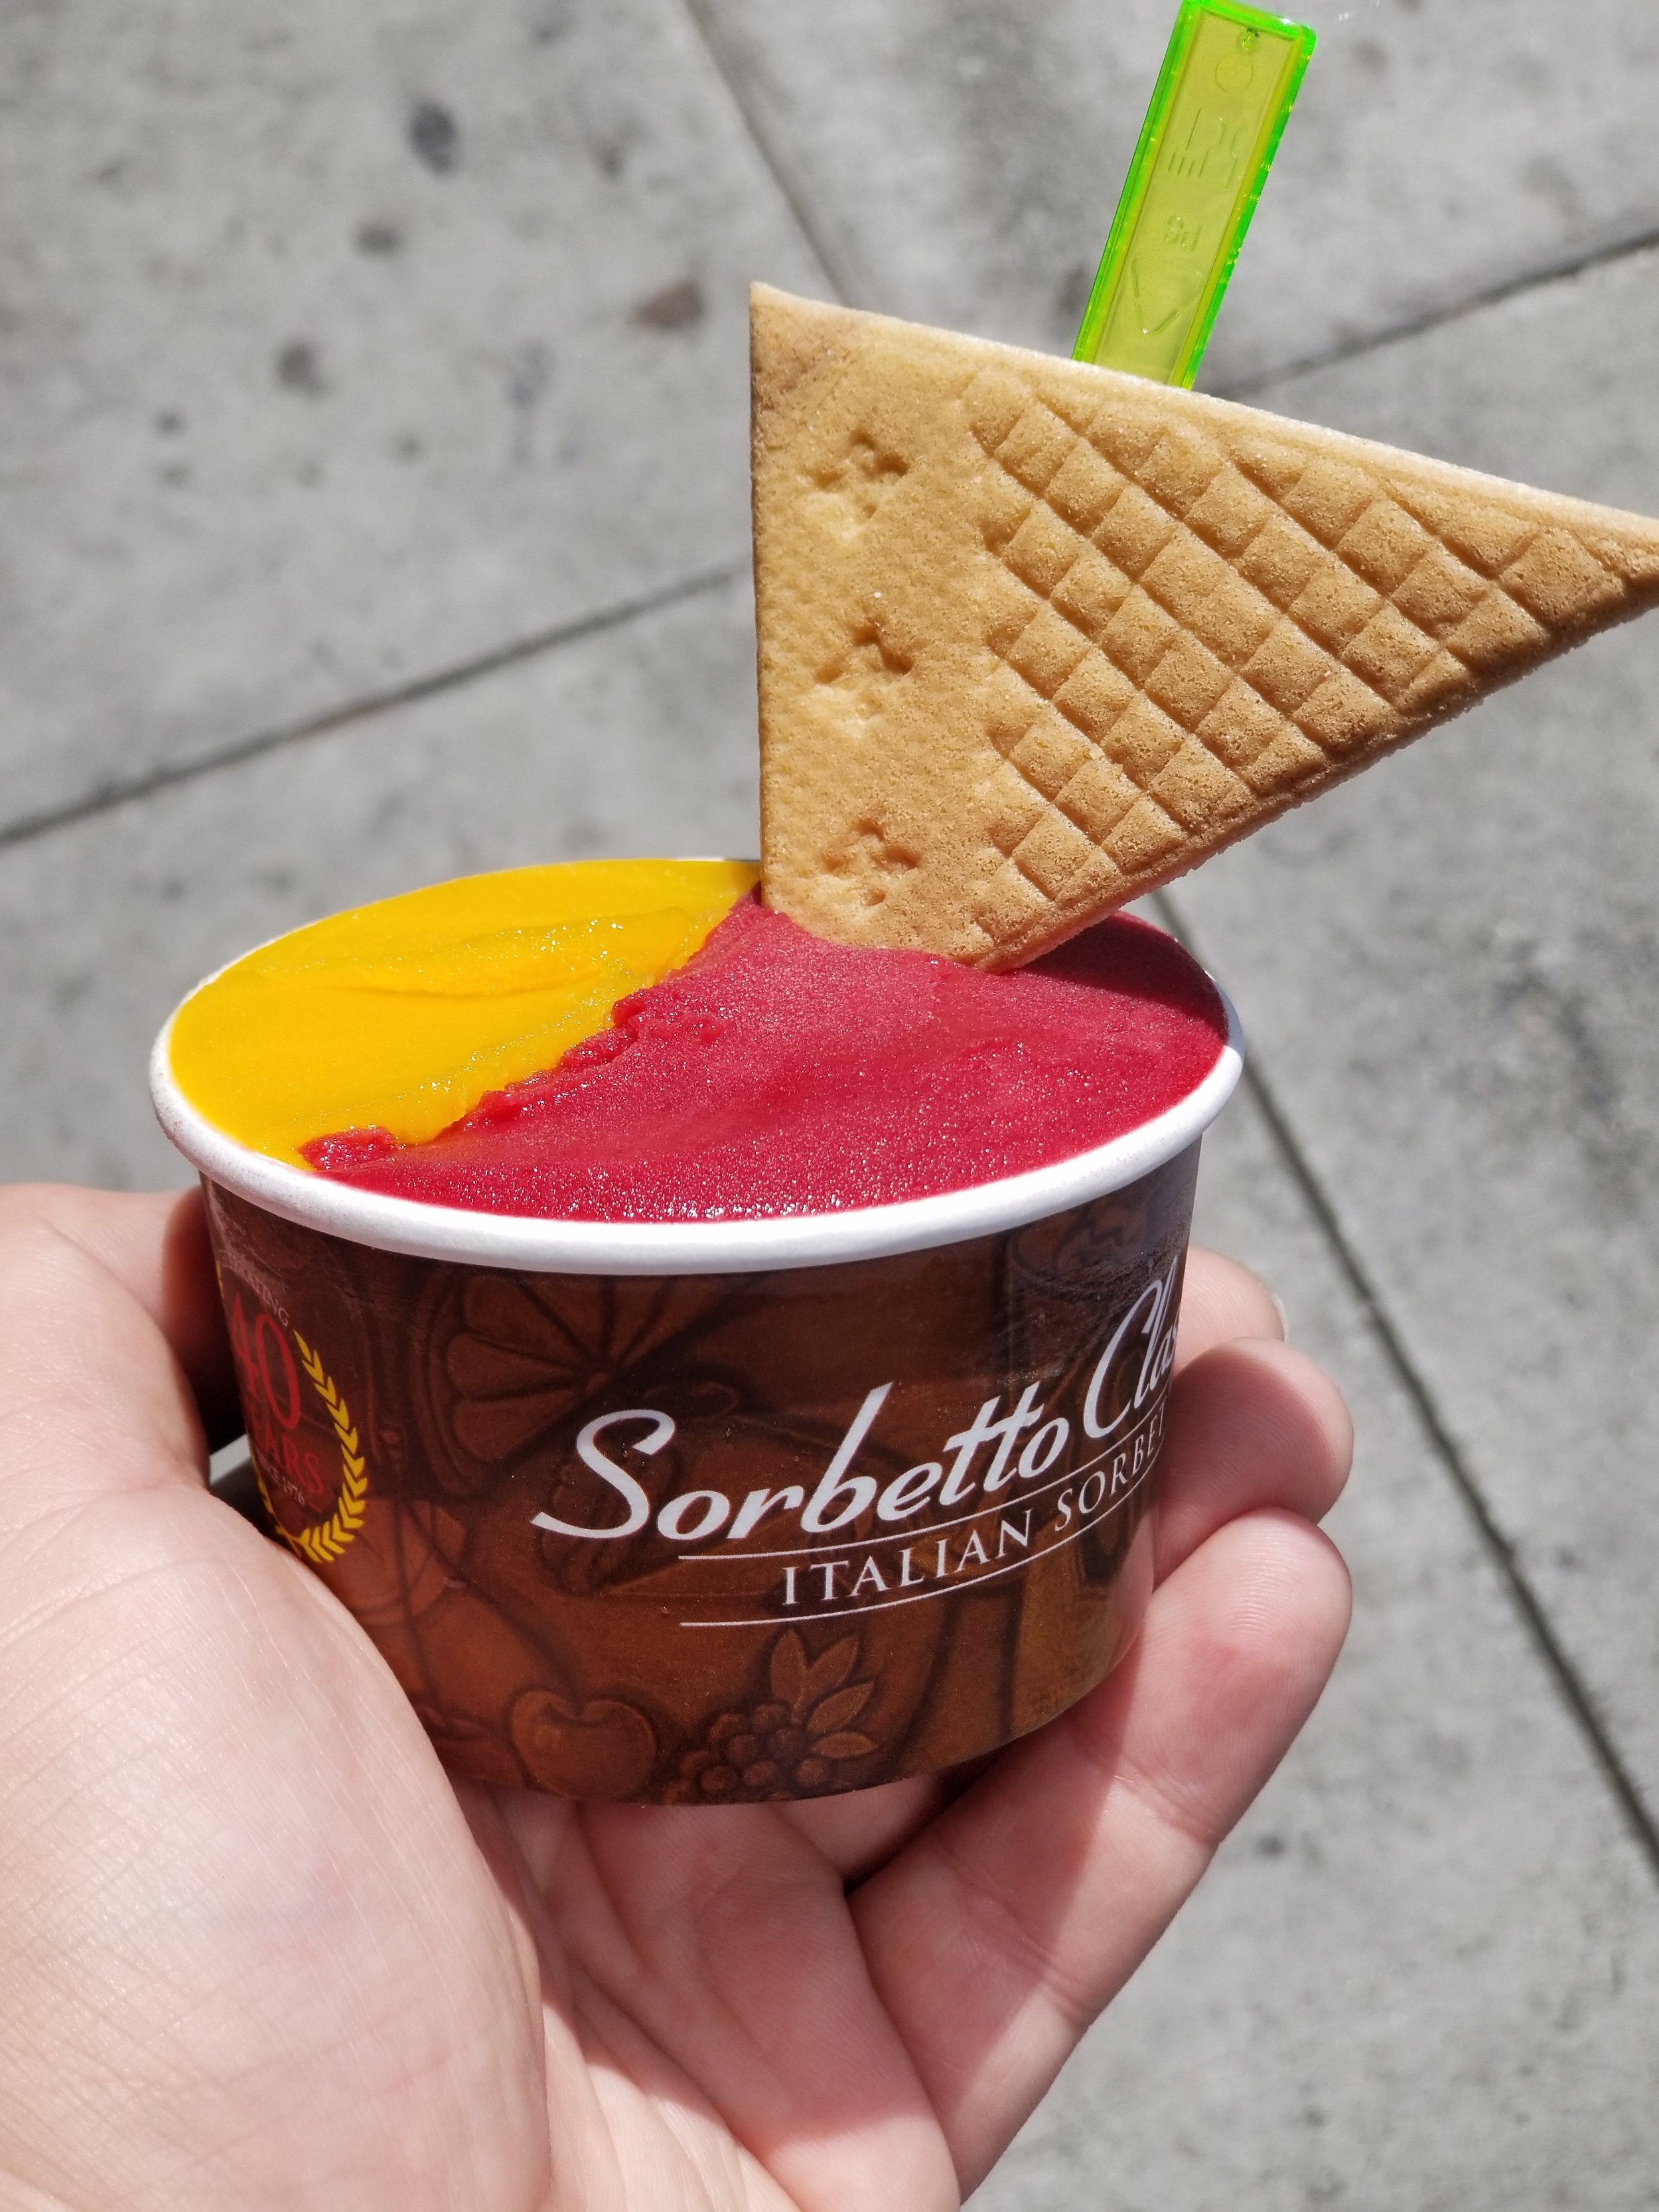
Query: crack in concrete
x: 1536, y: 279
x: 1435, y: 318
x: 120, y: 793
x: 1577, y: 1695
x: 731, y: 77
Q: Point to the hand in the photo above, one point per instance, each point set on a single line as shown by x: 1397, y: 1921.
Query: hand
x: 256, y: 1951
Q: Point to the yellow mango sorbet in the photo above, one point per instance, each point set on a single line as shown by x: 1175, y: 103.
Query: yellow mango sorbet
x: 403, y: 1014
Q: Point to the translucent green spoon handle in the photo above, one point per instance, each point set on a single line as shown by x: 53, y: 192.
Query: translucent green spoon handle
x: 1224, y: 94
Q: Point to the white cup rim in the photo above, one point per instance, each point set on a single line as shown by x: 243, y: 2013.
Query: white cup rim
x: 749, y: 1246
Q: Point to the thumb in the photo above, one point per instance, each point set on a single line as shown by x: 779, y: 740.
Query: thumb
x: 106, y: 1305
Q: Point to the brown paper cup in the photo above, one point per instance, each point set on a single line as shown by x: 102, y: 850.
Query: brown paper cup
x: 718, y: 1512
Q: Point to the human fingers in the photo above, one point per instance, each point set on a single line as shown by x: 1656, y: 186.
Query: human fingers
x: 93, y: 1401
x: 710, y: 1947
x: 156, y: 1246
x: 861, y: 1829
x: 233, y: 1881
x: 1002, y: 1931
x: 1251, y: 1423
x: 1221, y: 1300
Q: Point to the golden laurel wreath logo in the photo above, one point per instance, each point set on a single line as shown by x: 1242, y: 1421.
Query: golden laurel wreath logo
x: 326, y: 1542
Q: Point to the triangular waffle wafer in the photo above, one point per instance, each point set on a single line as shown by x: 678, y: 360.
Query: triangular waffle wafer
x: 1035, y: 637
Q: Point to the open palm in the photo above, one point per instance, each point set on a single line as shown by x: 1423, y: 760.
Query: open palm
x: 256, y: 1950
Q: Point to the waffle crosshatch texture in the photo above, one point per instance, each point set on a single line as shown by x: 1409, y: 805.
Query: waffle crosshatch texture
x: 1035, y: 637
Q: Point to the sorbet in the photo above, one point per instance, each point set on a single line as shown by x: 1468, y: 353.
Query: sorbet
x: 406, y: 1012
x: 780, y: 1073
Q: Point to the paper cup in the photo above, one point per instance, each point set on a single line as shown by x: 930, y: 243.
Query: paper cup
x: 719, y: 1511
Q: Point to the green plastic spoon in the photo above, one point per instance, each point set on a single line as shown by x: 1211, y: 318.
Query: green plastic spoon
x: 1223, y: 96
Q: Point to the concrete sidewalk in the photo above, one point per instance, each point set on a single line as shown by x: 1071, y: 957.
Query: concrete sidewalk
x: 375, y: 451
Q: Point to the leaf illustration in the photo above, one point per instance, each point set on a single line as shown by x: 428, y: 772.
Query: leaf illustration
x: 789, y: 1674
x: 847, y: 1745
x: 837, y: 1710
x: 479, y: 1368
x: 493, y: 1428
x: 829, y: 1671
x: 324, y: 1545
x: 496, y: 1307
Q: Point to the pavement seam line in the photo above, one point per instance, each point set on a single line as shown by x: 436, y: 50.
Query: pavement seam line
x: 725, y: 66
x: 105, y: 797
x: 1492, y: 295
x: 1581, y: 1705
x: 1434, y: 319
